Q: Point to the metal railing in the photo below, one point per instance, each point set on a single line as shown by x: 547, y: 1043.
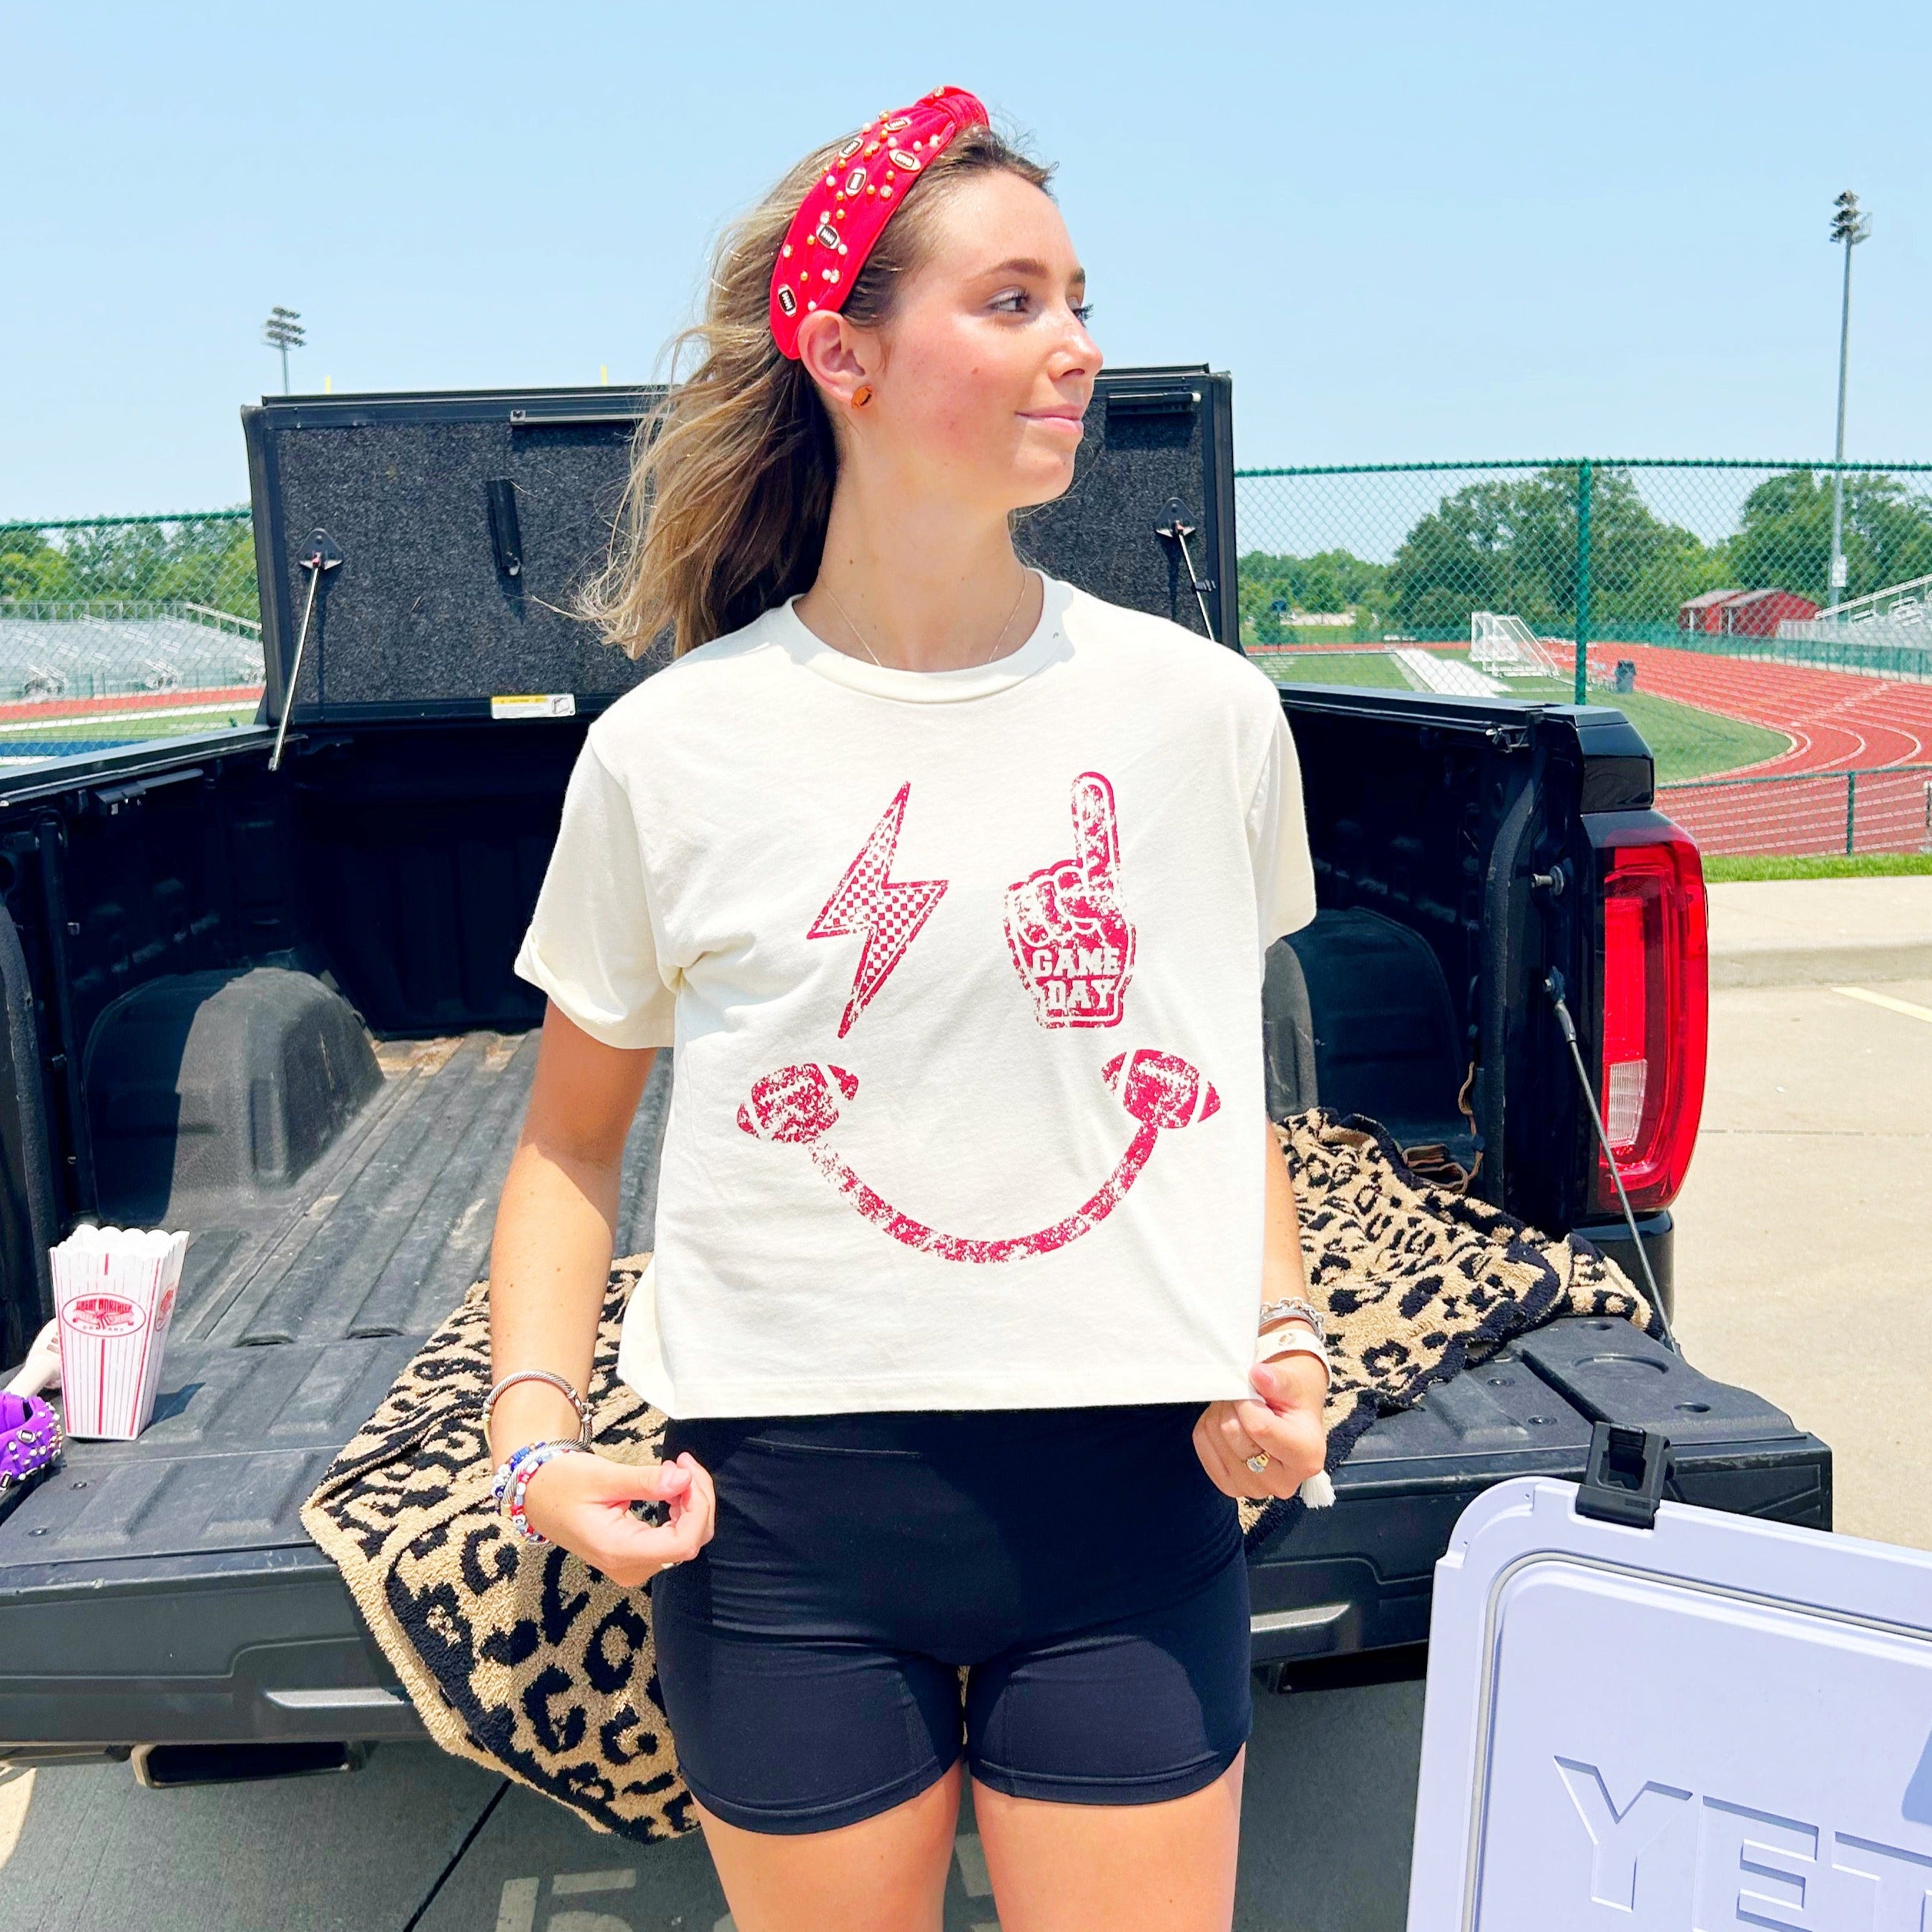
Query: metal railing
x: 1879, y: 808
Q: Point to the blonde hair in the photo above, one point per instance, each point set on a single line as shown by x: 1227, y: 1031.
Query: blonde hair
x: 732, y: 472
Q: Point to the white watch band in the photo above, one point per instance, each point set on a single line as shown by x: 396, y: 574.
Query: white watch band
x: 1293, y: 1338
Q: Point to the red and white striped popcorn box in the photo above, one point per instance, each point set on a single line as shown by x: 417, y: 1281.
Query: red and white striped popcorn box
x: 114, y: 1295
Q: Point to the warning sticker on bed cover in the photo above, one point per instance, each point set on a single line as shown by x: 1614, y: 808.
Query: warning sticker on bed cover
x: 541, y: 704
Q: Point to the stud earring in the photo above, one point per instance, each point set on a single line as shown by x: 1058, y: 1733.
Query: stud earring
x: 862, y: 395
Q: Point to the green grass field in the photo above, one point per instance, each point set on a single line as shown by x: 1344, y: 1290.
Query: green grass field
x: 1718, y: 871
x: 1686, y: 741
x: 19, y: 740
x: 1371, y: 667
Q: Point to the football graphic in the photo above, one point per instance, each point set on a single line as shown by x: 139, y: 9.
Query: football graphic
x: 1159, y: 1089
x: 798, y: 1106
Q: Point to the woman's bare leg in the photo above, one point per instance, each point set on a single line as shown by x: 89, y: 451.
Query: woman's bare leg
x: 1164, y: 1867
x: 886, y: 1874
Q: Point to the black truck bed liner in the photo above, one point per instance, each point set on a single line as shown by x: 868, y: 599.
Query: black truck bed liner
x: 292, y: 1326
x: 294, y: 1320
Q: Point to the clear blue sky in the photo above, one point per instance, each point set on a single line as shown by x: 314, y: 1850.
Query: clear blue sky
x: 1410, y: 230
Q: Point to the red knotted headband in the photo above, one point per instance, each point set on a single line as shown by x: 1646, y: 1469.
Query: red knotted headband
x: 845, y: 211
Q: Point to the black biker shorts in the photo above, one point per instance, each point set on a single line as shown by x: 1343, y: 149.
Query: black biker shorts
x: 1078, y: 1563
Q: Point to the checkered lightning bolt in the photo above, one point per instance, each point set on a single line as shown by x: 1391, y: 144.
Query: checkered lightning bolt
x: 888, y: 911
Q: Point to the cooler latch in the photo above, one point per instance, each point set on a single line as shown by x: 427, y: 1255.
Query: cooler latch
x: 1624, y: 1477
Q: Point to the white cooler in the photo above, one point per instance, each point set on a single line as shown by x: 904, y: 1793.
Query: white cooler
x: 1709, y: 1722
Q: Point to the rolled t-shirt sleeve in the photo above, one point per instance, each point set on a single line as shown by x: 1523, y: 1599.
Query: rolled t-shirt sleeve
x: 1278, y: 840
x: 589, y: 945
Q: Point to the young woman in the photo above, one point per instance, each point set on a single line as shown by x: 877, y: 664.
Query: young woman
x: 950, y: 885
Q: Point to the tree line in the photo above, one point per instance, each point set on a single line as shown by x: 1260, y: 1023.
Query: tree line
x: 211, y: 564
x: 1509, y: 545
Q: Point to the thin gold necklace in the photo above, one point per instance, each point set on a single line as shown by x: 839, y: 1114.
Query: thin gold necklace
x: 999, y: 639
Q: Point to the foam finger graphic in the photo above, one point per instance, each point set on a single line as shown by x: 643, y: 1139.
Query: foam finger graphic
x: 1071, y: 943
x: 1097, y: 833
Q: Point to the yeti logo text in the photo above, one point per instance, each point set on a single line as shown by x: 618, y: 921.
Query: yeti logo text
x: 1073, y: 946
x: 1740, y: 1866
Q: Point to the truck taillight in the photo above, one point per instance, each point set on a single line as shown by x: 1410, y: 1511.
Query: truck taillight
x: 1655, y: 1024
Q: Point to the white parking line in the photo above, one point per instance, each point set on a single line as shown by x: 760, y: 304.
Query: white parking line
x: 1906, y: 1006
x: 574, y: 1885
x: 972, y: 1873
x: 517, y: 1910
x: 16, y: 1793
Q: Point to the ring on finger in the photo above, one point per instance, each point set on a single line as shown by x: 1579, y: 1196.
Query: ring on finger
x: 1258, y: 1461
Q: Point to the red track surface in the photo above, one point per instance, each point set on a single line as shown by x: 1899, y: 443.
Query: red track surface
x: 70, y: 710
x: 1837, y: 721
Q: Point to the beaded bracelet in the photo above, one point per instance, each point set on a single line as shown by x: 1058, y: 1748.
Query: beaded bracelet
x: 513, y: 1478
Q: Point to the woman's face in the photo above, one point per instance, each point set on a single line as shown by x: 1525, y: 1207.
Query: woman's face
x: 984, y: 369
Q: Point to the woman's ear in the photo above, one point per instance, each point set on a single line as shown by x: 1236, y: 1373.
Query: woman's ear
x: 833, y: 354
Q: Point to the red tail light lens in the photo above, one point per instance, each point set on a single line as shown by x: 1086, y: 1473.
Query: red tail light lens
x: 1654, y: 1025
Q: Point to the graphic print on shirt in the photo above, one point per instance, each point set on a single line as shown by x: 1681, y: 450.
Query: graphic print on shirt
x: 1073, y: 946
x: 798, y: 1106
x: 888, y: 912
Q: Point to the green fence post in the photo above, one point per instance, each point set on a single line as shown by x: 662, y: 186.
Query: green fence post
x: 1851, y: 810
x: 1583, y: 579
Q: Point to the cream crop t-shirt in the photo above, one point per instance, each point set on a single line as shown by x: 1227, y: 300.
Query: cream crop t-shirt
x: 963, y: 971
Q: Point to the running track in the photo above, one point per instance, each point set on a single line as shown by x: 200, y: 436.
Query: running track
x: 1837, y: 721
x: 71, y: 710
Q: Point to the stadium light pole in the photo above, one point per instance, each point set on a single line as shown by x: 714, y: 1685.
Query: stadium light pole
x: 1849, y: 226
x: 283, y: 331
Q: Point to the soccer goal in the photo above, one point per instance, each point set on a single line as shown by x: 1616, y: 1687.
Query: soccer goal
x: 1508, y: 646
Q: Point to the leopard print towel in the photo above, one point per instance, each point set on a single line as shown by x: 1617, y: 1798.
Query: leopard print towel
x: 527, y: 1661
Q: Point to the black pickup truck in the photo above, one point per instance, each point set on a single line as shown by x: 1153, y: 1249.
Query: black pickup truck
x: 257, y: 985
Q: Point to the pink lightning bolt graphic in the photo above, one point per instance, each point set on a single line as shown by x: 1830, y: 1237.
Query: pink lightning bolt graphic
x: 888, y: 911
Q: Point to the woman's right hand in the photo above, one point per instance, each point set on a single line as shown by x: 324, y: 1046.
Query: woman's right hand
x: 583, y: 1502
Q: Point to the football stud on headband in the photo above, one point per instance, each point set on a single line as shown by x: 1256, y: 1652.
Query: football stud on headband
x: 845, y: 210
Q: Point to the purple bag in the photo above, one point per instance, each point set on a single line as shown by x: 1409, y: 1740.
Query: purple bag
x: 30, y: 1440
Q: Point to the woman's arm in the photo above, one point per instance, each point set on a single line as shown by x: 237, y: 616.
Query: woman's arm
x: 549, y: 1262
x: 1286, y: 1421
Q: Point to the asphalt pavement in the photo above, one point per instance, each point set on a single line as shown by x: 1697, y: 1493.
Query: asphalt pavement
x: 1805, y: 1230
x: 1330, y: 1789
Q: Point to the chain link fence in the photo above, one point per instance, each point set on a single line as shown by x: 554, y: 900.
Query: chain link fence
x: 1702, y: 598
x: 1789, y: 704
x: 112, y: 630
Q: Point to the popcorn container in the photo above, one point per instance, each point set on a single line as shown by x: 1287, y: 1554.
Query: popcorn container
x: 114, y: 1295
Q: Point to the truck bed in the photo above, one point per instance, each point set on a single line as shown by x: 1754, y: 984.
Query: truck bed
x: 296, y: 1318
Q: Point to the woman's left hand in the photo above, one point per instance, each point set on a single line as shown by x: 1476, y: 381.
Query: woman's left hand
x: 1285, y: 1422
